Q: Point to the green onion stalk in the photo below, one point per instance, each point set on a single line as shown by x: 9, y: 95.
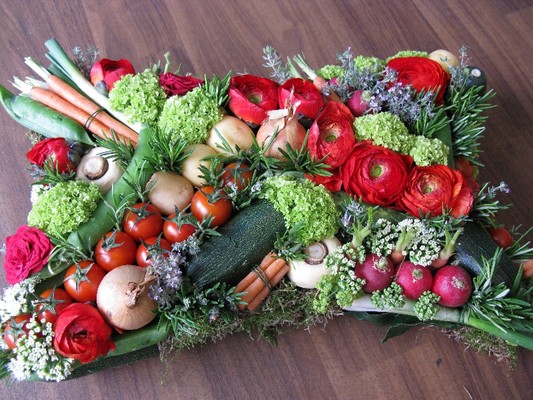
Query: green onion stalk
x: 62, y: 61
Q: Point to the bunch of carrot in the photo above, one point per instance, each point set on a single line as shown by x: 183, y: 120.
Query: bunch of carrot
x: 62, y: 97
x: 258, y: 284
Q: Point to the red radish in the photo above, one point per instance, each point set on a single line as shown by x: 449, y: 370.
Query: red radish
x: 414, y: 279
x: 378, y: 272
x: 357, y: 103
x: 453, y: 284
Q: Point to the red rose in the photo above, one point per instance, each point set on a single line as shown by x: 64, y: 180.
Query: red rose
x: 62, y: 155
x: 333, y: 183
x: 110, y: 71
x: 81, y: 332
x: 178, y: 84
x: 435, y: 188
x: 250, y: 97
x: 332, y: 135
x: 305, y: 92
x: 422, y: 74
x: 376, y: 174
x: 27, y: 252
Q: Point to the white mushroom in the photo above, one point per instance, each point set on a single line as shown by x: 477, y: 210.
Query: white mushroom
x: 96, y: 168
x: 306, y: 273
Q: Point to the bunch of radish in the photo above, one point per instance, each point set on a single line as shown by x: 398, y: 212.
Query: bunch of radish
x: 452, y: 283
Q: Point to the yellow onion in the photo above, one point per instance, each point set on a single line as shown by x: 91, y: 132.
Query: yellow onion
x: 288, y: 129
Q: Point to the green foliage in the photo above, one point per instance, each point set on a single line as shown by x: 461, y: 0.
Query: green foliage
x: 384, y: 129
x: 64, y: 207
x: 191, y: 116
x: 330, y: 71
x: 303, y: 202
x: 138, y: 96
x: 426, y: 306
x: 390, y: 297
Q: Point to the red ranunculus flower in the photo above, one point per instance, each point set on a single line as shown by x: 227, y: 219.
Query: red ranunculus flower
x: 376, y: 174
x: 110, y: 71
x: 422, y: 74
x: 333, y: 183
x: 332, y: 134
x: 27, y: 251
x: 435, y: 188
x: 178, y: 84
x: 81, y: 332
x: 250, y: 97
x: 304, y: 91
x: 60, y: 153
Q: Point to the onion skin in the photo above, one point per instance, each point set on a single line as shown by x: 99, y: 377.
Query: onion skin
x: 289, y: 131
x: 112, y: 299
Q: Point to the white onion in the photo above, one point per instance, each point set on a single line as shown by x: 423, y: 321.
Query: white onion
x: 122, y: 298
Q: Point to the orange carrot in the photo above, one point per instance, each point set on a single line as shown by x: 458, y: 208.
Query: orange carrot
x: 257, y: 285
x: 64, y: 90
x: 263, y: 294
x: 61, y: 105
x: 252, y: 276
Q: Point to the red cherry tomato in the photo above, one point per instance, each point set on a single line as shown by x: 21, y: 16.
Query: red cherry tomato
x: 501, y: 236
x: 237, y: 174
x: 143, y: 251
x: 116, y: 248
x: 142, y: 221
x: 82, y: 280
x: 205, y: 203
x: 16, y: 329
x: 51, y: 303
x: 175, y: 232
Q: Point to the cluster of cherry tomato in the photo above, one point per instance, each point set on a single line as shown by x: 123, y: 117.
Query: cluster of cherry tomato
x: 143, y: 228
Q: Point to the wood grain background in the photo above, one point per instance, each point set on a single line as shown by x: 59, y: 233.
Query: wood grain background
x: 346, y: 359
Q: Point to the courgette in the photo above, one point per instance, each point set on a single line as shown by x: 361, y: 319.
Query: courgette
x: 244, y: 241
x: 474, y: 244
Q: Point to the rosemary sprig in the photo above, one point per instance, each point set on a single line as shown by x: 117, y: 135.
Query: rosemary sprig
x: 119, y: 149
x: 280, y: 72
x: 169, y: 151
x: 486, y: 206
x: 217, y: 88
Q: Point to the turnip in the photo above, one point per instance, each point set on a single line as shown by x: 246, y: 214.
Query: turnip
x: 453, y: 284
x: 414, y: 279
x: 377, y: 271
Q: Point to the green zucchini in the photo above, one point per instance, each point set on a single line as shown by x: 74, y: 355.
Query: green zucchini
x: 474, y: 244
x: 245, y: 240
x: 42, y: 119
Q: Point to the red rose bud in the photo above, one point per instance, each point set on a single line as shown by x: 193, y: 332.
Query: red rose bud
x: 80, y: 332
x: 178, y: 85
x: 422, y: 74
x: 250, y: 97
x: 376, y: 174
x: 27, y: 252
x: 305, y: 92
x: 332, y: 135
x: 110, y: 71
x: 435, y: 188
x: 61, y: 155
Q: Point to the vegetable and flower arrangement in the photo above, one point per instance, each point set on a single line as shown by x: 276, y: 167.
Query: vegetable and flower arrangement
x: 169, y: 210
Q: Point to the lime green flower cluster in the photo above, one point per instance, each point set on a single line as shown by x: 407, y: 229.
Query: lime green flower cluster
x: 361, y: 63
x: 409, y: 53
x: 330, y: 71
x: 303, y: 204
x: 64, y: 207
x: 388, y: 130
x: 138, y: 96
x: 191, y: 116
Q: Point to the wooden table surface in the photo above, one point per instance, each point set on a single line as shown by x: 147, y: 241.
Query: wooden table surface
x: 346, y: 360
